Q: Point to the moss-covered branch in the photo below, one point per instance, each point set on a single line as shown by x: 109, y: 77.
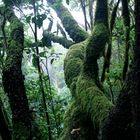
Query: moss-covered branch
x: 48, y: 36
x: 69, y: 23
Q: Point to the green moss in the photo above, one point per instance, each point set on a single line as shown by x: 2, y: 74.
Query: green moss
x: 80, y: 66
x: 76, y: 118
x: 73, y: 62
x: 69, y: 23
x: 95, y: 49
x: 15, y: 52
x: 92, y: 100
x: 96, y: 42
x: 71, y: 121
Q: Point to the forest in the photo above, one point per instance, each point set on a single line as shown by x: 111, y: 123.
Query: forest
x: 69, y: 69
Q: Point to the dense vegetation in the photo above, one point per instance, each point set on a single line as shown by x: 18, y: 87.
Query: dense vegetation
x: 94, y: 95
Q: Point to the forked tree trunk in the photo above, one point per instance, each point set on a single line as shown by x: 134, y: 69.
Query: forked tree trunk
x: 90, y: 107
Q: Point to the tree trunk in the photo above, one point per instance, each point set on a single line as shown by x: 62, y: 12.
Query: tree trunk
x: 4, y: 130
x: 13, y: 79
x: 135, y: 87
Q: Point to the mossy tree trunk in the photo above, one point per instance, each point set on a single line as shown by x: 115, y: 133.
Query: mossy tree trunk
x: 48, y: 36
x: 90, y: 106
x: 13, y: 79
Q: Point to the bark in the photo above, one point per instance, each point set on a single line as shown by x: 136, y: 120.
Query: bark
x: 69, y: 23
x: 126, y: 17
x: 119, y: 123
x: 13, y: 79
x: 135, y: 88
x: 135, y: 99
x: 4, y: 129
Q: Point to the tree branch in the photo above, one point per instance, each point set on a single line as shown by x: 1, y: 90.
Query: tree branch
x: 48, y: 36
x: 69, y: 23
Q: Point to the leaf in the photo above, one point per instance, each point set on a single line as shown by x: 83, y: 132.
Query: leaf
x: 28, y: 19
